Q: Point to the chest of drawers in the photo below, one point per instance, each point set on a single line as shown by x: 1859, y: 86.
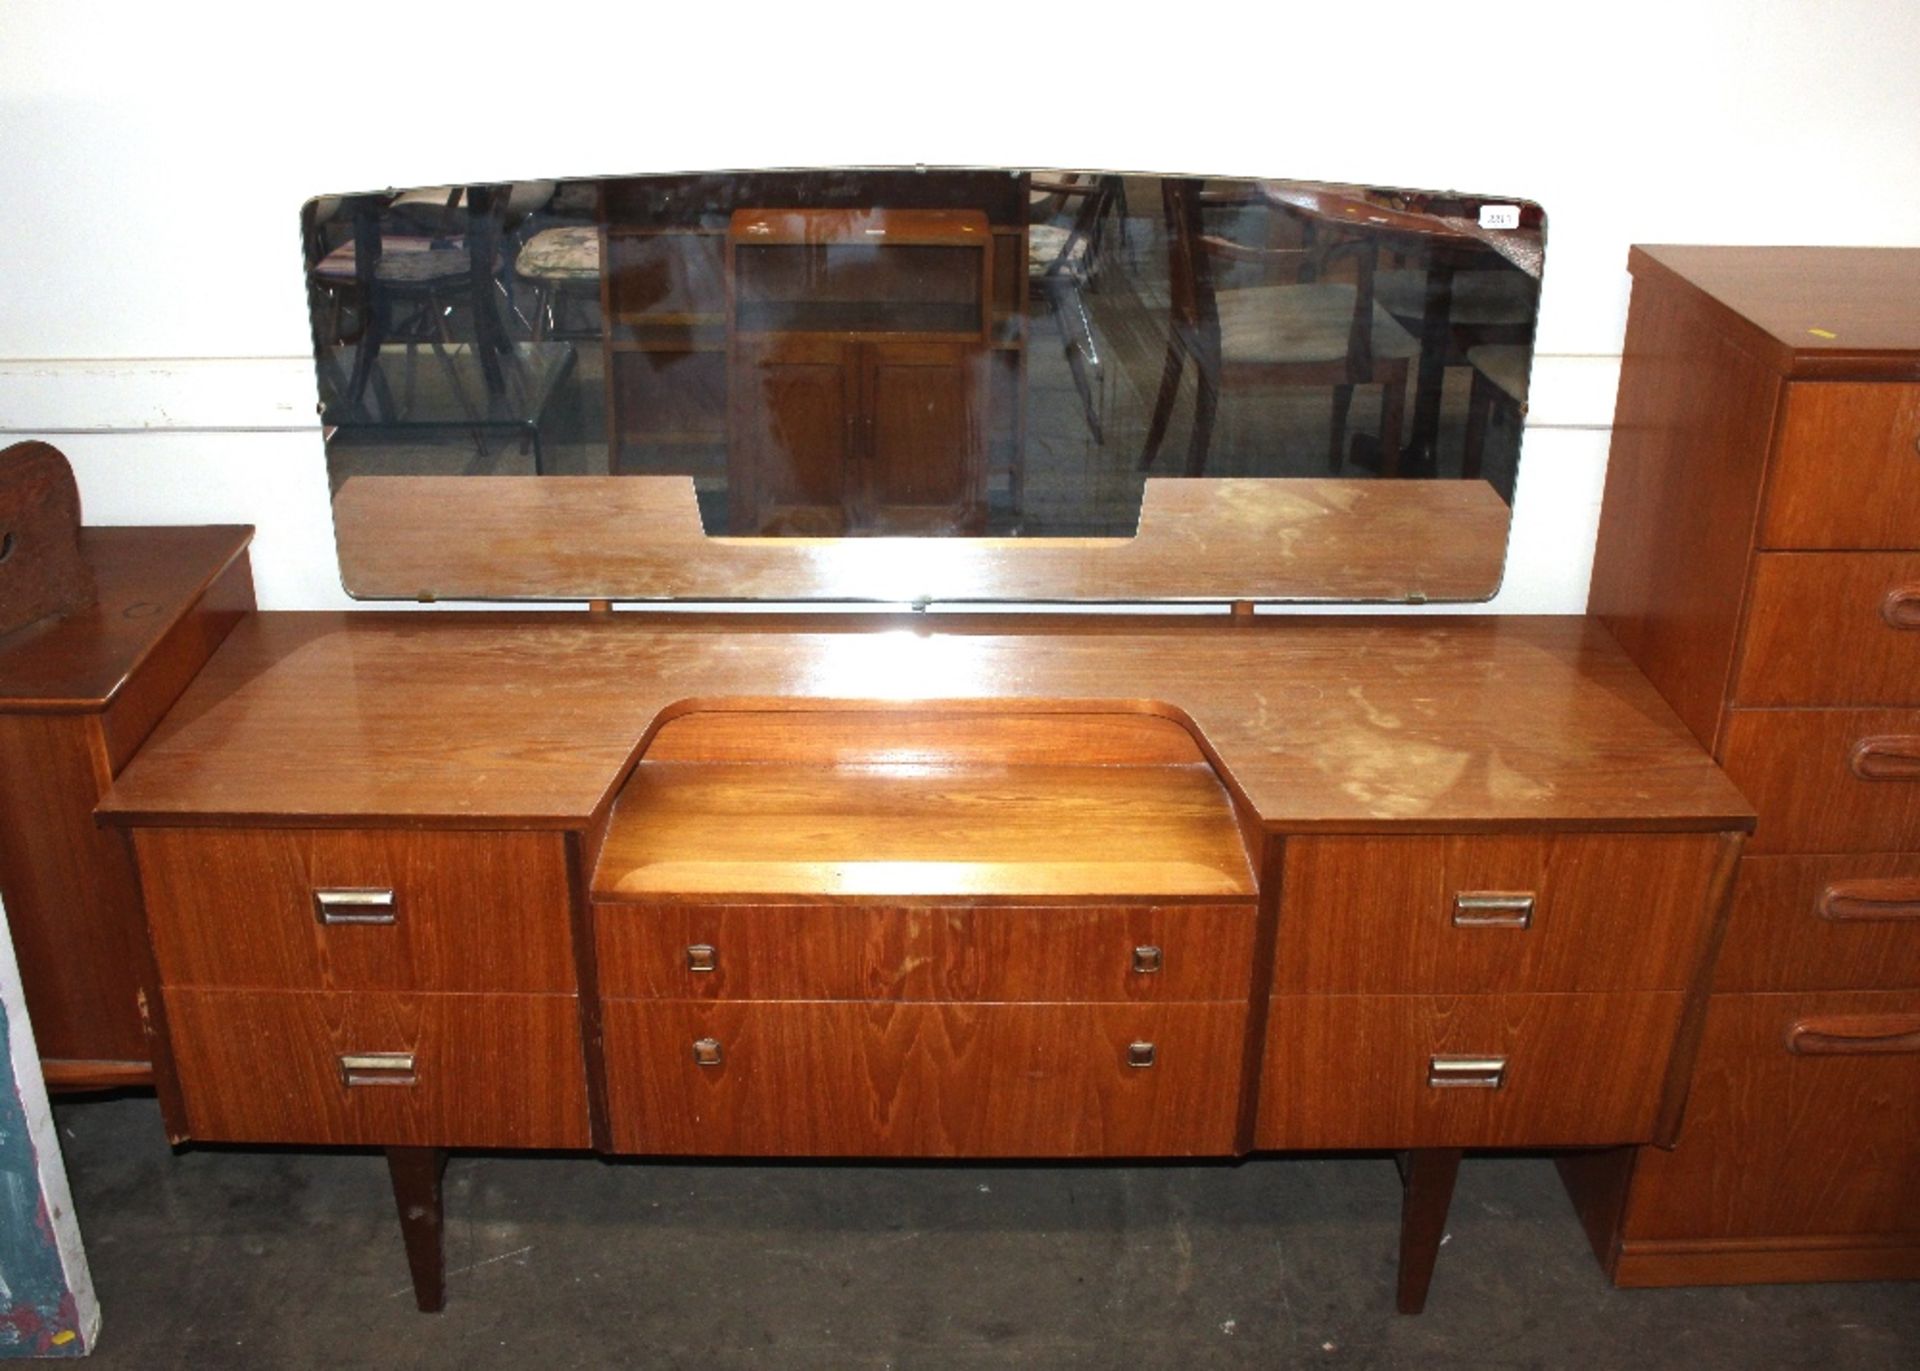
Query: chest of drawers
x: 1760, y: 559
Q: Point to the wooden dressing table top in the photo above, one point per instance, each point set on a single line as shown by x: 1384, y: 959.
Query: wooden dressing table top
x: 531, y: 719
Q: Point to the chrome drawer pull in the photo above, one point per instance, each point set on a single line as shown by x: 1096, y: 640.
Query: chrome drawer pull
x: 1893, y: 757
x: 377, y: 1068
x: 1146, y: 960
x: 1483, y: 1073
x: 1901, y: 608
x: 706, y: 1052
x: 1140, y: 1054
x: 355, y: 906
x: 1493, y: 909
x: 701, y: 957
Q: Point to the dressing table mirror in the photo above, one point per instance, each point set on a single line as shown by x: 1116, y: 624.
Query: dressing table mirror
x: 1096, y: 386
x: 683, y: 881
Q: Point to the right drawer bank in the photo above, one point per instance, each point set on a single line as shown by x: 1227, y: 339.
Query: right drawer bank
x: 1759, y: 557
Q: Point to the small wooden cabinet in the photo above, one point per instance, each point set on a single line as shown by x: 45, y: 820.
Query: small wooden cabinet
x: 857, y: 380
x: 1759, y: 557
x: 78, y: 696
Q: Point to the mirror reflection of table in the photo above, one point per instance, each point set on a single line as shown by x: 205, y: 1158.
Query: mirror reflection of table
x: 1448, y: 243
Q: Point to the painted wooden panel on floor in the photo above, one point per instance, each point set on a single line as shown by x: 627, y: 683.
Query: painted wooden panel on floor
x: 47, y: 1304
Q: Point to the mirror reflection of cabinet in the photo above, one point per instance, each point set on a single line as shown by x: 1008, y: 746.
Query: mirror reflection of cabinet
x: 858, y: 343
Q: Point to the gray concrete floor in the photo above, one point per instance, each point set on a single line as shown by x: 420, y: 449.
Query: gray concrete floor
x: 222, y: 1257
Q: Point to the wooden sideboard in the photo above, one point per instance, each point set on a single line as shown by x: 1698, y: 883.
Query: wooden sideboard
x: 78, y: 695
x: 1759, y: 557
x: 927, y: 886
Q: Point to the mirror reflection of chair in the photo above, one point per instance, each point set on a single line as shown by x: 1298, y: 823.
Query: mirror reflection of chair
x: 563, y: 265
x: 1307, y: 330
x: 1066, y: 236
x: 1499, y: 387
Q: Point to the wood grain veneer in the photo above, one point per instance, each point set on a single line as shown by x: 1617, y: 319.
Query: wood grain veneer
x: 924, y: 1080
x: 264, y: 1066
x: 472, y: 911
x: 1846, y: 472
x: 639, y: 538
x: 1376, y: 724
x: 1608, y: 913
x: 948, y: 952
x: 1352, y: 1070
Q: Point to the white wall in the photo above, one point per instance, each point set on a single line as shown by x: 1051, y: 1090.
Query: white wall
x: 152, y: 320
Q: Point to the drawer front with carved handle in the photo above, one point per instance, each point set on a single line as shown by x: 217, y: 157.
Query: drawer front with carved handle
x: 1087, y: 953
x: 1818, y: 1098
x: 1828, y: 780
x: 1485, y: 913
x: 1824, y: 923
x: 343, y: 909
x: 734, y: 1078
x: 1464, y: 1070
x: 1832, y: 628
x: 380, y: 1070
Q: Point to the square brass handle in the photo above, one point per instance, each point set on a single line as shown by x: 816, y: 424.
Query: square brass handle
x: 355, y: 906
x: 702, y: 957
x: 1493, y: 909
x: 1445, y: 1071
x: 1147, y: 960
x: 377, y: 1068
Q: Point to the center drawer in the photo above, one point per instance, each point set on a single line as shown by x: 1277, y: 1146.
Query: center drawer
x: 928, y: 952
x: 1828, y: 780
x: 1479, y: 913
x: 724, y: 1078
x: 327, y: 909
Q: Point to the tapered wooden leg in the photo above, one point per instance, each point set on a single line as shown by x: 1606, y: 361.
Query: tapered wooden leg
x: 1427, y: 1174
x: 416, y: 1173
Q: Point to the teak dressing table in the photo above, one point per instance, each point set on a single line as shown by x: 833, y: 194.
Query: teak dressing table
x: 926, y: 886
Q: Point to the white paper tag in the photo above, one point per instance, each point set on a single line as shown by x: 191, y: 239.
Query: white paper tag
x: 1499, y: 216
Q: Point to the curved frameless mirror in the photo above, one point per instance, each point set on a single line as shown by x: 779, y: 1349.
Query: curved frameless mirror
x: 981, y: 354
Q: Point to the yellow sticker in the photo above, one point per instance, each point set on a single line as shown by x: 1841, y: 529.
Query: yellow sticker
x: 63, y: 1337
x: 1828, y: 334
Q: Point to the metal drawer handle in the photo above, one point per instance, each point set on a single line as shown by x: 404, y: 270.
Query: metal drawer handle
x: 1893, y: 757
x: 354, y: 906
x: 1455, y: 1072
x: 706, y: 1052
x: 1493, y: 909
x: 1901, y: 608
x: 702, y: 957
x: 1847, y: 1035
x: 1140, y: 1054
x: 377, y: 1068
x: 1869, y: 900
x: 1147, y: 960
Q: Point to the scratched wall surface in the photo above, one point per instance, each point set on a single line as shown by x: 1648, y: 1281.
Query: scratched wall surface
x: 47, y: 1306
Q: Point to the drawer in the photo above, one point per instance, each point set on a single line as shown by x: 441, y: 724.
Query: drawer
x: 1824, y: 923
x: 1789, y: 1134
x: 380, y: 1070
x: 1465, y: 1070
x: 468, y: 911
x: 923, y: 1080
x: 1828, y: 780
x: 951, y: 952
x: 1468, y: 914
x: 1846, y: 468
x: 1832, y: 628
